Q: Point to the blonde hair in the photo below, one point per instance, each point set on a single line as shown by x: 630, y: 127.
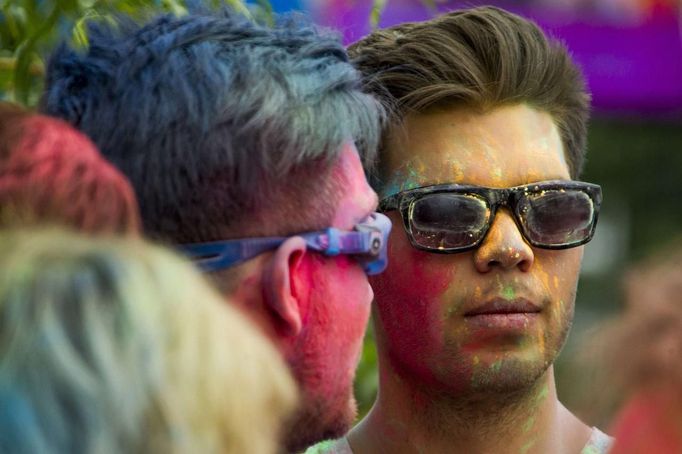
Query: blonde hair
x: 119, y: 346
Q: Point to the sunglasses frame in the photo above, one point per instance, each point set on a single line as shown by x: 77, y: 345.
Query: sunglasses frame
x: 367, y: 243
x: 494, y: 199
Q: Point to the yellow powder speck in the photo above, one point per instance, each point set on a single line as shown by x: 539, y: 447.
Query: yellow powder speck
x: 478, y: 292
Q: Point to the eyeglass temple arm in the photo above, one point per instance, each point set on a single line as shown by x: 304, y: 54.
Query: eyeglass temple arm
x: 333, y: 241
x: 222, y: 254
x: 389, y: 203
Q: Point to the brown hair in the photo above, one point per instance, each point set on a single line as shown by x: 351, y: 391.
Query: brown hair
x: 51, y: 173
x: 481, y: 58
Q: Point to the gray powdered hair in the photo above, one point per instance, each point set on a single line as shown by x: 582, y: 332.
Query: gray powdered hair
x: 223, y: 126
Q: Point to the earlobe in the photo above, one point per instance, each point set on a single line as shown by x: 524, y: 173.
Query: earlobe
x: 279, y: 295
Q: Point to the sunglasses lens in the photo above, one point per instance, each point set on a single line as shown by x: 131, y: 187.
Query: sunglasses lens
x: 556, y: 217
x: 444, y: 221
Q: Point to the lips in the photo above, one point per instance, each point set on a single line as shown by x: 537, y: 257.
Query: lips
x: 499, y: 306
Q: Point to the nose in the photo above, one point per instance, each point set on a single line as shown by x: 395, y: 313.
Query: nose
x: 503, y: 247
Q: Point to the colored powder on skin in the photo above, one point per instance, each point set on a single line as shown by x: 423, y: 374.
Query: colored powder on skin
x: 402, y: 181
x: 508, y: 293
x: 407, y: 296
x: 390, y: 189
x: 496, y: 174
x: 527, y: 342
x: 485, y: 376
x: 543, y: 276
x: 498, y: 281
x: 526, y: 447
x: 541, y: 342
x: 556, y: 282
x: 496, y: 366
x: 322, y: 447
x: 542, y: 394
x: 478, y: 293
x: 412, y: 180
x: 558, y: 309
x: 530, y: 422
x: 457, y: 174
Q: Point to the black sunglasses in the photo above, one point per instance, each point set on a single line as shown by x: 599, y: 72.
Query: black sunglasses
x: 451, y: 218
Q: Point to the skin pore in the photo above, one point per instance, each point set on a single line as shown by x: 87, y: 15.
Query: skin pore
x: 451, y: 382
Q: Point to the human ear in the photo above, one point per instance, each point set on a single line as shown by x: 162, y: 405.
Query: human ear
x: 278, y: 293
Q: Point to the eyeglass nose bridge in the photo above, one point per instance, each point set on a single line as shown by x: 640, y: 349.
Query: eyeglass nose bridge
x: 503, y: 198
x: 496, y: 198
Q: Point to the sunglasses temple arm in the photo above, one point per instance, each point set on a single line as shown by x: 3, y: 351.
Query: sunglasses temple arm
x: 222, y: 254
x: 334, y: 242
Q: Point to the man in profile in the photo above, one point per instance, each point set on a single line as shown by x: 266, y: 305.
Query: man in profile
x: 245, y: 147
x: 477, y: 167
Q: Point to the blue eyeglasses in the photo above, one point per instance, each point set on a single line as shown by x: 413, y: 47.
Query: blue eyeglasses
x: 367, y: 244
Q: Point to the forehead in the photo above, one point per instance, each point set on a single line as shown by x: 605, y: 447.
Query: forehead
x: 507, y: 146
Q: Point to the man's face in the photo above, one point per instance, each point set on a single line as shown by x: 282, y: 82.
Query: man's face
x: 424, y: 300
x: 339, y: 305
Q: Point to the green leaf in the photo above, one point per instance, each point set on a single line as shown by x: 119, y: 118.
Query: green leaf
x: 266, y: 8
x: 26, y: 53
x: 239, y: 6
x: 378, y: 7
x: 174, y: 7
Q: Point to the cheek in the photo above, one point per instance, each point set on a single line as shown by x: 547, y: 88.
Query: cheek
x: 557, y: 273
x: 347, y: 301
x: 339, y: 305
x: 408, y: 299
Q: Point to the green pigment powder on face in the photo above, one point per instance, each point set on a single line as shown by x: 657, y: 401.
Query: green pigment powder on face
x: 542, y: 395
x: 496, y: 366
x: 402, y: 181
x: 508, y: 293
x: 526, y: 447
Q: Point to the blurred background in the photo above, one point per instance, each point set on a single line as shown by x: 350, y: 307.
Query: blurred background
x: 631, y: 53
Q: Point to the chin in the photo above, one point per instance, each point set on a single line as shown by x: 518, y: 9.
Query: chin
x: 508, y: 374
x: 320, y: 420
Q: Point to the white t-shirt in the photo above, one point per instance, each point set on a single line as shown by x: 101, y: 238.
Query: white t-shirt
x: 599, y: 443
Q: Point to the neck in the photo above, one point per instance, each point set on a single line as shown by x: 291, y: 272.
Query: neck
x: 410, y: 417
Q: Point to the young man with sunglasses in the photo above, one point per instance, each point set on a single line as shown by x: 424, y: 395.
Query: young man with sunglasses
x: 245, y: 147
x: 477, y: 167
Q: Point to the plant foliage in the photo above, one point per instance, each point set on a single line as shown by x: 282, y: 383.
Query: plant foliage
x: 29, y: 29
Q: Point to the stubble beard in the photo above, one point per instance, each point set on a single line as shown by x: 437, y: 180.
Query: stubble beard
x: 483, y: 400
x: 319, y: 419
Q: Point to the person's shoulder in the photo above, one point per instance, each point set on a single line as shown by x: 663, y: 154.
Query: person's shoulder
x: 599, y: 443
x: 339, y: 446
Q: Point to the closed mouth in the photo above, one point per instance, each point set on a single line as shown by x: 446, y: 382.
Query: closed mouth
x: 501, y: 306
